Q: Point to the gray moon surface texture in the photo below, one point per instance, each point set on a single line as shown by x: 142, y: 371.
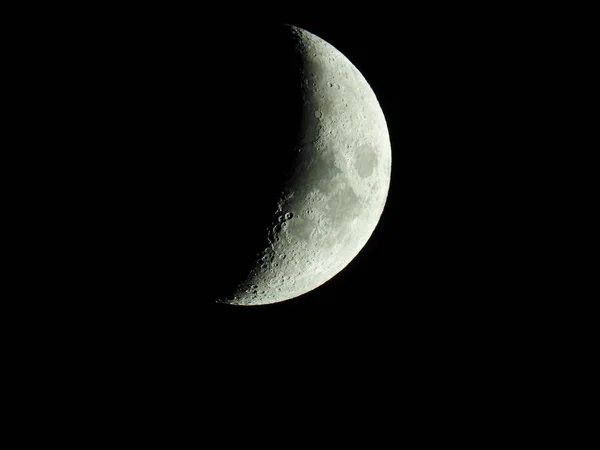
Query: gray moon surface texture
x: 332, y: 200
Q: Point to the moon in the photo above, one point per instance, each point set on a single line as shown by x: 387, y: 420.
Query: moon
x: 331, y: 200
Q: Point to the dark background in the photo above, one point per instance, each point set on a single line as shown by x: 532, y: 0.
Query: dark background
x: 442, y: 325
x: 429, y: 309
x: 139, y: 260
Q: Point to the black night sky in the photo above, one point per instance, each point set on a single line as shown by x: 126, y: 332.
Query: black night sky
x: 139, y: 86
x: 156, y: 116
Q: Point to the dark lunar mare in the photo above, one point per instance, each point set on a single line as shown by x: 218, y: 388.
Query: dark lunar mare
x: 187, y: 138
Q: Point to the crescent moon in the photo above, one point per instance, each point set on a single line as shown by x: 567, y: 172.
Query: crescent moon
x: 334, y: 197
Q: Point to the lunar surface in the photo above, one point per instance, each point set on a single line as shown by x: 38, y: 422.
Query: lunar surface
x: 333, y: 193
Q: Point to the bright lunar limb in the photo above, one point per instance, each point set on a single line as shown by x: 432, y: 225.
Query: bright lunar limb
x: 334, y: 198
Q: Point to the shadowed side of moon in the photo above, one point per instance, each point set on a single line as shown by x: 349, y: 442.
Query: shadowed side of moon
x: 260, y: 120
